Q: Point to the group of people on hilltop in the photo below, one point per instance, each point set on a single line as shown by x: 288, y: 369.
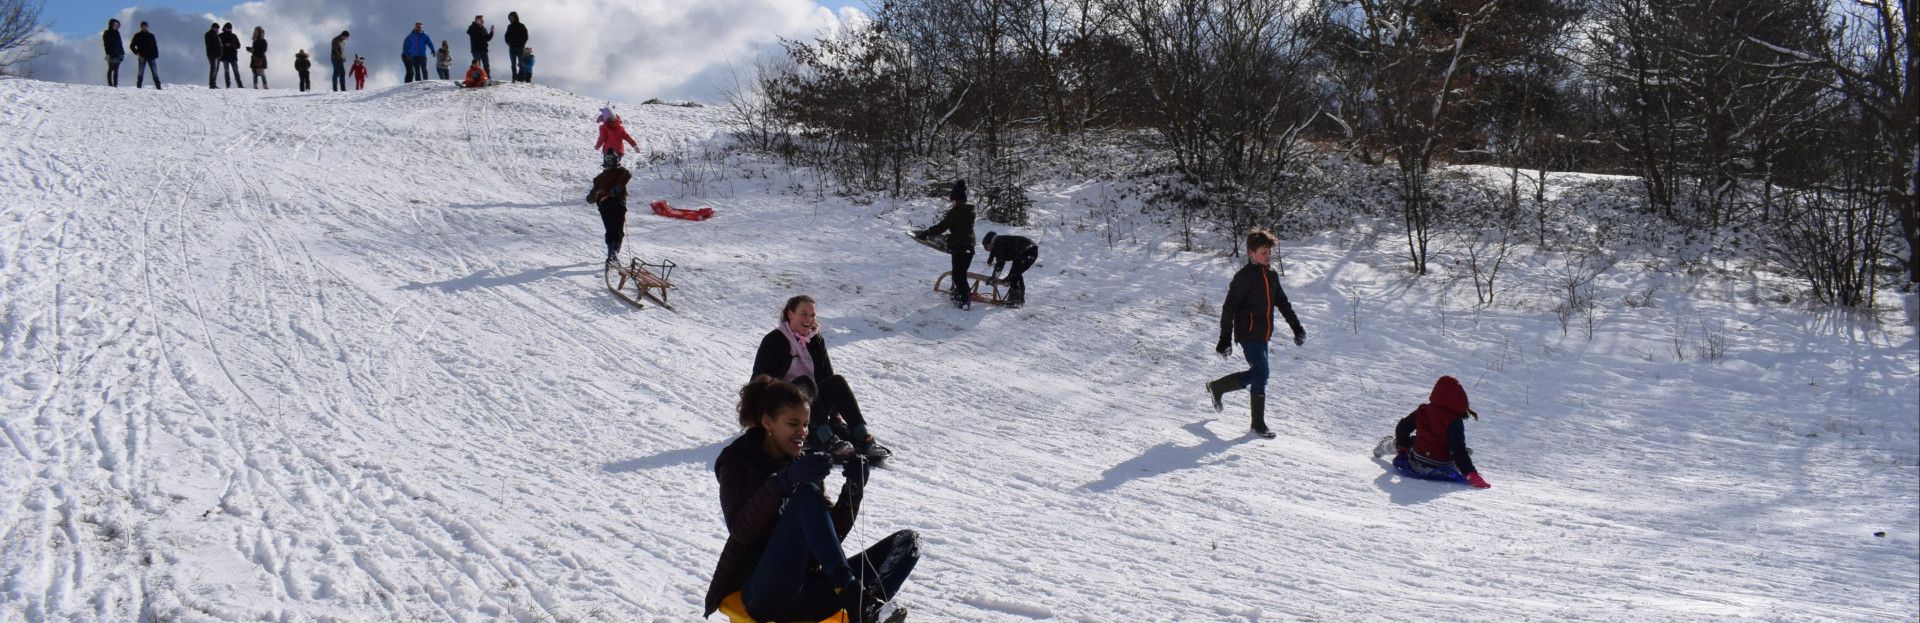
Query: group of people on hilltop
x: 223, y: 48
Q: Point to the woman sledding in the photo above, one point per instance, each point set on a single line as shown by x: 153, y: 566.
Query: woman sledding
x: 783, y: 551
x: 795, y: 352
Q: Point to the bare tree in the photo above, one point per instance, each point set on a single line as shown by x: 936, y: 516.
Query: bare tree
x: 20, y: 31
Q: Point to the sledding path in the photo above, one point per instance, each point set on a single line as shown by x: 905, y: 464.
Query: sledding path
x: 268, y: 355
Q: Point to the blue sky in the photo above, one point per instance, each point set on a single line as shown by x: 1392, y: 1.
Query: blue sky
x: 603, y: 48
x: 81, y: 17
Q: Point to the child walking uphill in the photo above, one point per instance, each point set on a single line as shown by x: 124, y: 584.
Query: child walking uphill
x: 957, y: 223
x: 783, y: 553
x: 1431, y: 442
x: 1247, y: 318
x: 359, y: 72
x: 610, y: 195
x: 613, y: 140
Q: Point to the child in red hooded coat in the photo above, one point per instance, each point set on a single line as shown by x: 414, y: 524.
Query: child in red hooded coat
x: 1433, y: 439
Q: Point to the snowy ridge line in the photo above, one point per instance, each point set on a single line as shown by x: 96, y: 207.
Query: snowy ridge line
x: 347, y: 356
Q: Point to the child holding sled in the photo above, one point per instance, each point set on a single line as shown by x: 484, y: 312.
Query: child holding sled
x: 957, y: 224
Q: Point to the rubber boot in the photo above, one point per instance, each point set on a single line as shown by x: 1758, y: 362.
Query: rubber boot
x: 1260, y: 417
x: 1219, y: 387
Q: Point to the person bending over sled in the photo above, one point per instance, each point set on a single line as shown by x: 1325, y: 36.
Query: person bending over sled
x: 796, y: 353
x: 1017, y: 249
x: 610, y: 195
x: 783, y: 553
x: 1431, y: 442
x: 1247, y: 318
x: 957, y: 224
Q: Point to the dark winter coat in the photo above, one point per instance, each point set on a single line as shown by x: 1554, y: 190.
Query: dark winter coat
x: 751, y: 503
x: 111, y: 39
x: 301, y: 64
x: 339, y: 48
x: 477, y: 38
x: 259, y: 52
x: 1008, y: 249
x: 776, y: 356
x: 229, y: 47
x: 1251, y: 298
x: 213, y: 44
x: 516, y: 35
x: 958, y: 225
x: 144, y: 46
x: 610, y: 188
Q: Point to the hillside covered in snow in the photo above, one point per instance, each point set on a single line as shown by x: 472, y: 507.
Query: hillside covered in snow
x: 349, y: 357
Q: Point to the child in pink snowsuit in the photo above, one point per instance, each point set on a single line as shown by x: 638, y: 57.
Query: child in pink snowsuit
x: 613, y: 141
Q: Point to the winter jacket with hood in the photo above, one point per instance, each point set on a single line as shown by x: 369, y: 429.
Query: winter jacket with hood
x: 1247, y: 315
x: 301, y: 62
x: 516, y: 35
x: 477, y: 38
x: 110, y: 38
x: 259, y: 52
x: 751, y: 503
x: 1008, y: 248
x: 957, y: 224
x: 213, y: 43
x: 1440, y: 425
x: 144, y: 45
x: 610, y: 188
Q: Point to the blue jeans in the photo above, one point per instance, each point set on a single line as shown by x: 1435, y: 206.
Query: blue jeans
x: 1256, y: 376
x: 140, y: 73
x: 784, y: 585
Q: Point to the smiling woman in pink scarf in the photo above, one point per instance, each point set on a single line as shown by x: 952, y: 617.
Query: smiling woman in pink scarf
x: 796, y: 353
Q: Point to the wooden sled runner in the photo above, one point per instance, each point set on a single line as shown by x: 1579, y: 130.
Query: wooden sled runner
x: 992, y: 296
x: 646, y: 280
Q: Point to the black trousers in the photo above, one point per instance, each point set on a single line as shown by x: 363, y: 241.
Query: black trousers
x: 1017, y: 280
x: 832, y: 396
x: 446, y: 73
x: 339, y: 74
x: 113, y: 71
x: 306, y: 81
x: 213, y: 73
x: 961, y: 263
x: 513, y: 59
x: 614, y: 217
x: 485, y: 63
x: 1403, y: 437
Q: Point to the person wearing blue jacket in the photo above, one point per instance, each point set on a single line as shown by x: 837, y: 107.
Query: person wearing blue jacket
x: 115, y: 52
x: 414, y: 53
x: 526, y: 65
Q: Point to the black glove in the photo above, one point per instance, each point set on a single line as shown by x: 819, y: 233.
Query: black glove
x: 855, y: 471
x: 810, y: 467
x: 920, y: 233
x: 1225, y: 348
x: 1299, y: 337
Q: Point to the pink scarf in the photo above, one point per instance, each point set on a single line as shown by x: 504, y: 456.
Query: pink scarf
x: 802, y: 358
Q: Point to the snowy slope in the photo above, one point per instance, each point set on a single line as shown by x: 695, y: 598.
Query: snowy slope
x: 293, y: 357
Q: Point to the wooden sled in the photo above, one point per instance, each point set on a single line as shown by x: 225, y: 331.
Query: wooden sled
x: 992, y: 296
x: 643, y: 280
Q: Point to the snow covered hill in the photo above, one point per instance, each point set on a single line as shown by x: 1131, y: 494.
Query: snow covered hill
x: 348, y: 357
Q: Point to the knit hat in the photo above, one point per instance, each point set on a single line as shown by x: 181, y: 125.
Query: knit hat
x: 606, y: 112
x: 1448, y: 394
x: 986, y: 241
x: 959, y: 191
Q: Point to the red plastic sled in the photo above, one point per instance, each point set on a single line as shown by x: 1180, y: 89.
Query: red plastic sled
x: 661, y: 208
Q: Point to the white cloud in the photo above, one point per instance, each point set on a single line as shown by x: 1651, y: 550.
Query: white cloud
x: 623, y: 49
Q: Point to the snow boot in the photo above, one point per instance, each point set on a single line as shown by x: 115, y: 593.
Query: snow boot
x: 1219, y: 387
x: 1260, y: 417
x: 861, y: 603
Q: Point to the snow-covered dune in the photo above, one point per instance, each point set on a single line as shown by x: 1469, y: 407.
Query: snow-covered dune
x: 348, y: 357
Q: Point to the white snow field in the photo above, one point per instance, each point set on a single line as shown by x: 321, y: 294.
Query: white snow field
x: 269, y: 356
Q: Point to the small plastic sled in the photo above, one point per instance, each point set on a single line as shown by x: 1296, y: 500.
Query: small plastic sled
x: 661, y: 208
x: 647, y: 280
x: 736, y: 611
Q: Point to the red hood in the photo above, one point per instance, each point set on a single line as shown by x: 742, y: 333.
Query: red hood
x: 1448, y: 394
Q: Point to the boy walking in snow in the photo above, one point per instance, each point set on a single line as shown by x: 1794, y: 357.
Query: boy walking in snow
x: 1017, y: 249
x: 610, y: 195
x: 957, y: 223
x: 1247, y: 318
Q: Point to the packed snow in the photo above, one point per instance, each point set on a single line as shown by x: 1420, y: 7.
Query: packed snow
x: 349, y: 357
